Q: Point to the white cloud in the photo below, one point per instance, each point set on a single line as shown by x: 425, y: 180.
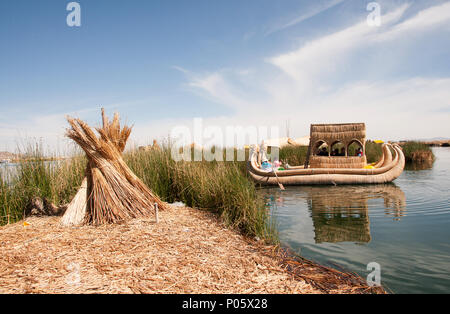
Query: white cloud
x: 433, y: 17
x: 307, y: 84
x: 218, y: 88
x: 323, y: 56
x: 424, y: 20
x: 182, y: 70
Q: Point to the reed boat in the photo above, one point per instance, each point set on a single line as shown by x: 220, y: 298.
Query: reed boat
x: 324, y: 166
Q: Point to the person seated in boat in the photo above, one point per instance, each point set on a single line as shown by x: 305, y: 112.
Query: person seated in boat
x: 266, y: 164
x: 335, y: 152
x: 359, y: 152
x: 323, y: 152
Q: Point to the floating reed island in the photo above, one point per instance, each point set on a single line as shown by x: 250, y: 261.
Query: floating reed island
x: 188, y: 251
x: 116, y: 245
x: 336, y: 155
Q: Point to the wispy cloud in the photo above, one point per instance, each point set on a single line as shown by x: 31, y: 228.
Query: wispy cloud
x: 180, y: 69
x: 423, y: 21
x: 324, y: 55
x: 316, y: 10
x: 217, y: 87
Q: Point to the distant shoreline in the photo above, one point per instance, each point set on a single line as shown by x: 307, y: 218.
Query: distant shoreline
x: 22, y: 160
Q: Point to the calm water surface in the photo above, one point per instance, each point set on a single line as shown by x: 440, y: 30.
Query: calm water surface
x: 7, y: 171
x: 403, y: 226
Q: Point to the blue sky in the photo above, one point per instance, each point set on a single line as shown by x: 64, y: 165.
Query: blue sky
x: 162, y: 63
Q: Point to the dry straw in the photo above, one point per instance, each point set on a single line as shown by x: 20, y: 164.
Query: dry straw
x: 111, y: 192
x: 198, y: 255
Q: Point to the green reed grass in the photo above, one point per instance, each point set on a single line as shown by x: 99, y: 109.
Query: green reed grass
x: 36, y: 176
x: 220, y: 187
x: 417, y: 152
x: 293, y: 155
x: 373, y: 151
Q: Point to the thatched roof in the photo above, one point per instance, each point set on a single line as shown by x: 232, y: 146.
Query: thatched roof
x: 345, y: 132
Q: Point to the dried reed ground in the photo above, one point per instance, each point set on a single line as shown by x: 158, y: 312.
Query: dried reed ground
x: 188, y: 251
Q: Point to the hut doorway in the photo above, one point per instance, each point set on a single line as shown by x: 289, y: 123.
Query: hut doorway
x: 355, y: 148
x: 321, y: 149
x: 338, y: 149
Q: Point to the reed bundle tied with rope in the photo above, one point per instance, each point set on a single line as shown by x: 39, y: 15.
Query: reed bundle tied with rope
x: 111, y: 192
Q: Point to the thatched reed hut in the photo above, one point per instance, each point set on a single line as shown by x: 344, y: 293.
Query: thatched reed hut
x: 337, y: 146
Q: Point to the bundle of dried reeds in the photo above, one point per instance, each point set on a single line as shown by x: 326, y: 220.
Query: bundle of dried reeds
x: 111, y: 192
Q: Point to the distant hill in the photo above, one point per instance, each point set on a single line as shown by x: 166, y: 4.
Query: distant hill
x: 435, y: 139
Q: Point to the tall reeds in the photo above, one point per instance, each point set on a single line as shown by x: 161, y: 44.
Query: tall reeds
x: 220, y: 187
x: 373, y: 152
x: 57, y: 181
x: 417, y: 152
x: 293, y: 155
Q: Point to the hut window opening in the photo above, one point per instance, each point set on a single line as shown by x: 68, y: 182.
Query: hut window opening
x: 338, y: 149
x: 321, y: 149
x: 355, y: 148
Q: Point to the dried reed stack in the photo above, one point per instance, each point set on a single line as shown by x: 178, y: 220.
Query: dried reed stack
x: 111, y: 192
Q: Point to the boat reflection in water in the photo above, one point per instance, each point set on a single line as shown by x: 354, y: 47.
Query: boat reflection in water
x: 341, y: 213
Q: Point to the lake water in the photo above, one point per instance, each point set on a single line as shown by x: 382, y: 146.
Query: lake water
x: 7, y: 170
x: 403, y: 226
